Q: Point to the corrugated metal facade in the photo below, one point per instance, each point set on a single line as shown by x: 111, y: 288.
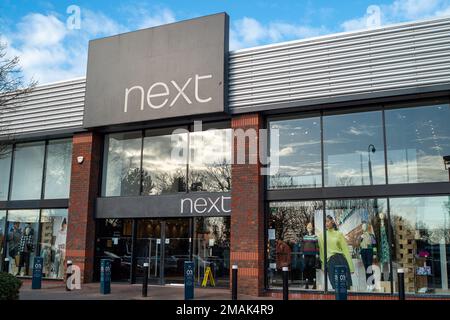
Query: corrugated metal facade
x: 395, y: 57
x: 50, y: 107
x: 398, y: 57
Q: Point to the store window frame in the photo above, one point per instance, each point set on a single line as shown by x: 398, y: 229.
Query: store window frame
x: 38, y: 240
x: 387, y: 191
x: 219, y: 125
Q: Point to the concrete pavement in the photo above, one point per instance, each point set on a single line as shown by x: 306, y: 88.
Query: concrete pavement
x: 121, y: 291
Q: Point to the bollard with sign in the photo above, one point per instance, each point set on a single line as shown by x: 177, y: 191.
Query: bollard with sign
x: 189, y: 280
x: 6, y: 265
x: 145, y: 281
x: 36, y: 281
x: 401, y: 284
x: 105, y: 276
x: 234, y: 283
x: 340, y: 282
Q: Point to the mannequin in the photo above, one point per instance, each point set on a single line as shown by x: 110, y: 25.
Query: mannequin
x: 14, y: 236
x: 283, y: 254
x: 310, y: 248
x: 367, y: 249
x: 337, y: 252
x: 25, y: 249
x: 384, y: 246
x: 60, y: 249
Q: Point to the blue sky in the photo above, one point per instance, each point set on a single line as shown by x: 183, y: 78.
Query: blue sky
x: 37, y: 31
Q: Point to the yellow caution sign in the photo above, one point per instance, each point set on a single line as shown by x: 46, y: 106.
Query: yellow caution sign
x: 208, y: 274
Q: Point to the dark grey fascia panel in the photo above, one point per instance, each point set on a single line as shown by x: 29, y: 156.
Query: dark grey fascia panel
x: 181, y: 205
x: 164, y: 72
x: 34, y: 204
x: 378, y: 191
x: 347, y: 100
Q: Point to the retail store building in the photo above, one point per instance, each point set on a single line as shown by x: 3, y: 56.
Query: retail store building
x: 137, y: 162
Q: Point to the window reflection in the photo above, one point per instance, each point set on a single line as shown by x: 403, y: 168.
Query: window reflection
x: 210, y: 160
x: 123, y: 164
x: 422, y: 241
x: 28, y: 171
x: 299, y: 154
x: 354, y: 149
x: 358, y: 239
x: 163, y: 172
x: 2, y: 233
x: 417, y: 140
x: 58, y: 167
x: 5, y: 167
x: 293, y: 242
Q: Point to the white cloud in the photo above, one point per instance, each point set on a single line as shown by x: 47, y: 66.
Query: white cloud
x: 159, y: 18
x: 401, y: 11
x: 248, y: 32
x: 38, y: 30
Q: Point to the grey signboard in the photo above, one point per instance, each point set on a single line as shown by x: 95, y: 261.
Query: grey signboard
x: 162, y: 72
x: 169, y: 205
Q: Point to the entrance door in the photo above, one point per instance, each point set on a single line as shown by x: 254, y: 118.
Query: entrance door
x: 149, y: 248
x: 177, y: 249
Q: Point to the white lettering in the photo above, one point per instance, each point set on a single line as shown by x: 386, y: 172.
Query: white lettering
x: 127, y: 92
x: 197, y: 88
x: 213, y: 205
x: 223, y: 203
x: 181, y: 92
x: 165, y: 93
x: 197, y: 205
x: 182, y: 204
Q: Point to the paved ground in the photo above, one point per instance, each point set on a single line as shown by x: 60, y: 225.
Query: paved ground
x: 91, y: 291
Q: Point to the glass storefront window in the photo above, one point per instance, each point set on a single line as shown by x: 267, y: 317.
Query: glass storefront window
x: 5, y: 168
x: 28, y: 171
x: 357, y: 237
x: 2, y: 233
x: 21, y: 240
x: 293, y: 242
x: 162, y: 172
x: 53, y: 242
x: 210, y: 160
x: 421, y: 232
x: 353, y: 149
x: 417, y: 139
x: 299, y: 154
x: 212, y: 248
x: 114, y: 242
x: 122, y: 164
x: 58, y: 167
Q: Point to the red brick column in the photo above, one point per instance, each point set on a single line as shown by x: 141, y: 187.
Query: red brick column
x: 84, y: 187
x: 247, y: 212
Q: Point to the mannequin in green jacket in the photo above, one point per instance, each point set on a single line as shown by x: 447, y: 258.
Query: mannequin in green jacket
x: 337, y: 251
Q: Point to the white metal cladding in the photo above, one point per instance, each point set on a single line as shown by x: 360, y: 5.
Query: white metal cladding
x: 48, y: 107
x: 397, y: 57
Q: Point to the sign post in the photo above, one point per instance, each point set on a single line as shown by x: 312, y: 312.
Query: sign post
x: 340, y: 281
x: 105, y: 276
x: 189, y: 280
x: 36, y: 282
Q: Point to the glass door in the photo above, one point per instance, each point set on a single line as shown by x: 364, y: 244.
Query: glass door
x: 149, y: 248
x: 177, y: 246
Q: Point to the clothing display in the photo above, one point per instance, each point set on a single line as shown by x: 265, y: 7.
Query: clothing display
x: 310, y: 249
x: 25, y: 248
x: 384, y: 246
x: 283, y: 254
x: 367, y: 250
x: 337, y: 254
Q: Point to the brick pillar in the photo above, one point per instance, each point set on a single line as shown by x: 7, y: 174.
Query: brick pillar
x: 247, y: 211
x: 84, y: 187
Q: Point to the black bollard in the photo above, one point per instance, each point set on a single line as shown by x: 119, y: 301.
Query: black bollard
x: 401, y: 284
x: 234, y: 283
x: 145, y: 282
x: 68, y: 274
x: 285, y: 283
x: 6, y: 265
